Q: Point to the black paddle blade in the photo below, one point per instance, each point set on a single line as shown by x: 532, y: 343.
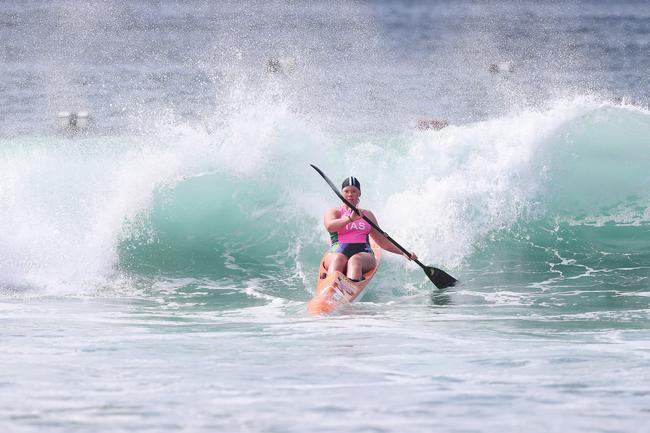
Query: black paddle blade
x: 440, y: 278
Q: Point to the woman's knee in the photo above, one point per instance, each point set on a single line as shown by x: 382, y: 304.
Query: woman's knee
x: 337, y: 260
x: 356, y: 260
x: 361, y: 261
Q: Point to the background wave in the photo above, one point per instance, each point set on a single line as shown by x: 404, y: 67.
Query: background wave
x: 241, y: 203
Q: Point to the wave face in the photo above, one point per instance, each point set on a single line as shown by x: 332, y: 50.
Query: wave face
x: 562, y: 196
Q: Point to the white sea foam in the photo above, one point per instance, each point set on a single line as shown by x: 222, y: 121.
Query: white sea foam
x: 438, y: 193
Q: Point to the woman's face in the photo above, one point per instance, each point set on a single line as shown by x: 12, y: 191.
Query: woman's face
x: 351, y: 194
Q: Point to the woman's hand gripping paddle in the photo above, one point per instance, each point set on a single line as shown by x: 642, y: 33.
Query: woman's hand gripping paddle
x: 440, y: 278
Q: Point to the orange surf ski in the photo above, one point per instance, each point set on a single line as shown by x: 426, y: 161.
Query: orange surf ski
x: 336, y: 290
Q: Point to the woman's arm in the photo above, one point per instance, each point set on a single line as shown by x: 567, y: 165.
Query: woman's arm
x: 333, y: 220
x: 381, y: 239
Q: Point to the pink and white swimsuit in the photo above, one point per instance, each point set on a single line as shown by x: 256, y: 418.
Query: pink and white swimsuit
x: 353, y: 237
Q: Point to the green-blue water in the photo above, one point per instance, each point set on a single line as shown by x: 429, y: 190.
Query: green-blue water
x: 155, y: 267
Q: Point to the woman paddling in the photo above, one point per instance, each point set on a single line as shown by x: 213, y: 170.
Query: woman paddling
x: 349, y: 234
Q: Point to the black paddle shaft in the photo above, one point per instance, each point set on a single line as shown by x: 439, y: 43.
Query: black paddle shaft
x: 437, y: 276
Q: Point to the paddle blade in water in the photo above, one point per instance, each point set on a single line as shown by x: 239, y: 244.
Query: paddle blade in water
x: 440, y: 278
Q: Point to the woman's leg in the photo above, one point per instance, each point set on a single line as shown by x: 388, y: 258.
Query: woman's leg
x: 335, y: 262
x: 360, y: 263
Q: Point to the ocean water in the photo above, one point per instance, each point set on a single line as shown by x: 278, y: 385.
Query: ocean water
x: 155, y: 266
